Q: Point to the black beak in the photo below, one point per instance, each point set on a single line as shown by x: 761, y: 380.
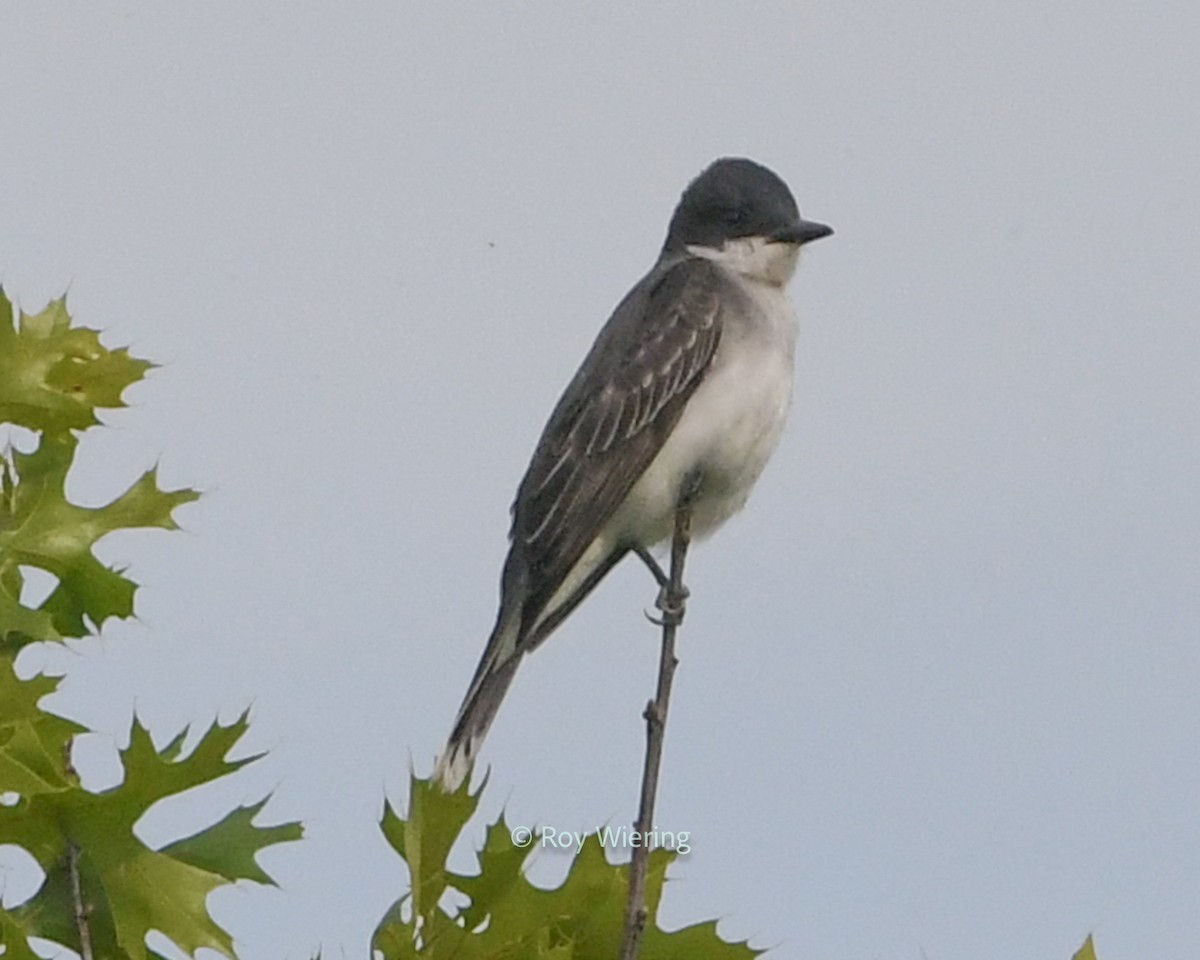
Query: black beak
x: 801, y: 232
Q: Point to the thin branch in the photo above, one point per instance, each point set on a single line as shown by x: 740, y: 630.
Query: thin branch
x: 81, y: 911
x: 672, y: 602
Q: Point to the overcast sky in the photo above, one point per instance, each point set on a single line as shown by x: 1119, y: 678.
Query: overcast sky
x: 940, y: 684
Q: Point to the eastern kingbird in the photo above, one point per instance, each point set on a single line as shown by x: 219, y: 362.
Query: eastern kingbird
x: 690, y: 380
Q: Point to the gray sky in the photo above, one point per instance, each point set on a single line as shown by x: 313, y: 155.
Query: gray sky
x: 939, y: 684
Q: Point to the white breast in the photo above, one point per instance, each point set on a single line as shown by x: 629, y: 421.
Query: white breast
x: 731, y: 424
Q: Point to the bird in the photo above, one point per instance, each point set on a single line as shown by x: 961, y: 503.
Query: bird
x: 688, y: 384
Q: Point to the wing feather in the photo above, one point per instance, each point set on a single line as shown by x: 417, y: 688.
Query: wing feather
x: 612, y: 421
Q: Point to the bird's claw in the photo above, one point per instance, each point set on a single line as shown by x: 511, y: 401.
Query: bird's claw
x: 672, y: 605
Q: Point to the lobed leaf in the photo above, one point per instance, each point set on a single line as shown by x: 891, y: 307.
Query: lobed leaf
x: 14, y: 939
x: 34, y: 745
x: 52, y: 379
x: 43, y: 529
x: 507, y: 916
x: 54, y: 376
x: 129, y: 888
x: 228, y: 848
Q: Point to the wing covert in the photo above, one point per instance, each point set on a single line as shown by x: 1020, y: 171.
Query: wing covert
x: 613, y: 420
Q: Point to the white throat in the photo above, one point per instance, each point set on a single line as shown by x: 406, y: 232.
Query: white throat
x: 756, y: 258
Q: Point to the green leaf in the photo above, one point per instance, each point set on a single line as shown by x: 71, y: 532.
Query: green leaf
x: 424, y: 840
x: 152, y: 774
x: 1087, y: 951
x: 228, y: 848
x: 507, y: 916
x: 34, y: 745
x: 43, y: 529
x: 129, y: 888
x: 52, y: 379
x: 51, y: 913
x: 54, y: 376
x: 14, y: 938
x: 148, y: 890
x: 394, y: 937
x: 500, y: 865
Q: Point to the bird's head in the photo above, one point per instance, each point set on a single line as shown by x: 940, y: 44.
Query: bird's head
x: 742, y: 214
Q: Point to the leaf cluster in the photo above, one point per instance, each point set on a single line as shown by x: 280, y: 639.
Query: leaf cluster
x: 53, y: 377
x: 103, y: 889
x: 498, y: 913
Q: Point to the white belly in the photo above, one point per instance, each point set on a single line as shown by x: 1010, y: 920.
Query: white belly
x: 728, y: 431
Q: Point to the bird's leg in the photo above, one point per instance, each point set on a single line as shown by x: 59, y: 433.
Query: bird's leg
x: 672, y: 598
x: 657, y: 572
x: 664, y: 586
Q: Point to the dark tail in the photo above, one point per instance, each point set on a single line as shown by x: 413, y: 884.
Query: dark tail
x: 509, y: 642
x: 478, y: 710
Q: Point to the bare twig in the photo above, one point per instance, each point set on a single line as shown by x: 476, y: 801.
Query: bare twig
x: 81, y: 911
x: 672, y: 602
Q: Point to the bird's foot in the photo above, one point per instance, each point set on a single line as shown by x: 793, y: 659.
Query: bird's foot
x: 671, y: 604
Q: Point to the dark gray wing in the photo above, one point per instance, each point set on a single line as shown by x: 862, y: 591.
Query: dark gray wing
x: 610, y: 424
